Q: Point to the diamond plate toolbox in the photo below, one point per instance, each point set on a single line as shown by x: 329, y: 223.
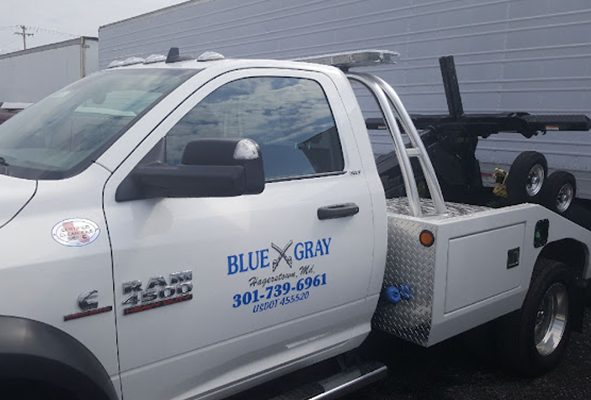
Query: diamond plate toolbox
x: 407, y: 262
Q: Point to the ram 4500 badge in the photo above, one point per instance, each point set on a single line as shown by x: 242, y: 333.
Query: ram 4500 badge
x: 158, y: 292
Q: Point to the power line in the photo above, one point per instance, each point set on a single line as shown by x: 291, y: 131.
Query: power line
x: 24, y: 34
x: 37, y: 29
x: 8, y: 39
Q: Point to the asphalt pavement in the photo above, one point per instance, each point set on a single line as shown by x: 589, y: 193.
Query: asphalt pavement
x: 466, y: 367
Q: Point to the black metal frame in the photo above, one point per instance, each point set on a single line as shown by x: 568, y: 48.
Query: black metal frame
x: 451, y: 140
x: 484, y: 125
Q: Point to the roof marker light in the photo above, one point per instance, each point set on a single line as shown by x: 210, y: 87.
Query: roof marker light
x: 133, y: 61
x: 351, y: 59
x: 210, y: 56
x: 155, y: 58
x: 115, y: 64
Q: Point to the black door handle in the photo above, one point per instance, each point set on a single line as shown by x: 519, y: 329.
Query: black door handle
x: 338, y: 211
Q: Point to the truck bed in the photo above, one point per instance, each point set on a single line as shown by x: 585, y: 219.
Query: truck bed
x: 466, y: 278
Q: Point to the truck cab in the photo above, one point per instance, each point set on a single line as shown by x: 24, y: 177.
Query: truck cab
x: 212, y: 290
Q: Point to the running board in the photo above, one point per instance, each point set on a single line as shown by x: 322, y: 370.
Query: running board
x: 338, y: 385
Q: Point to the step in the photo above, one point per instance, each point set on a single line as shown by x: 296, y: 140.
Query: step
x: 338, y: 385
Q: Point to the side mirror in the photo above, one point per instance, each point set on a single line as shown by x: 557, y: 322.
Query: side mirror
x: 209, y: 168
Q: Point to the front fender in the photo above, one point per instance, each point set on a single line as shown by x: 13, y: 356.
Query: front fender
x: 35, y: 350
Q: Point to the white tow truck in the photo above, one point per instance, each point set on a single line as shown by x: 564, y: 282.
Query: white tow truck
x: 181, y: 228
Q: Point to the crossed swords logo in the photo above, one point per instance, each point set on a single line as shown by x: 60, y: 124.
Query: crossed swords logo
x: 282, y: 255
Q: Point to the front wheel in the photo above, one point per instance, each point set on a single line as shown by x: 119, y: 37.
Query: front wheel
x: 534, y: 338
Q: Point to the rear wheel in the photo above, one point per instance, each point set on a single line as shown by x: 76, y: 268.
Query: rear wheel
x: 526, y: 177
x: 534, y: 338
x: 559, y: 191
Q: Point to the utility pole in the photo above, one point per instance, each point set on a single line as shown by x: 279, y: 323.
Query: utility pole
x: 24, y: 34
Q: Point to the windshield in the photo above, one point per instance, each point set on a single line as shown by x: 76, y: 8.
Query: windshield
x: 63, y: 134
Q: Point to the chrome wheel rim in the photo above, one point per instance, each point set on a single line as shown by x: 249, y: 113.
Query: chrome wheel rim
x: 551, y: 319
x: 535, y: 180
x: 565, y: 197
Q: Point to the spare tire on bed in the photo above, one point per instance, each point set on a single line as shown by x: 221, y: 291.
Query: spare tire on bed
x: 526, y: 177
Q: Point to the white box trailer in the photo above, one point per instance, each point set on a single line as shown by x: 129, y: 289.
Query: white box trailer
x: 28, y: 76
x: 526, y: 55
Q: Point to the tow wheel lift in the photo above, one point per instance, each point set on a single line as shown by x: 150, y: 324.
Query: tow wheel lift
x: 451, y: 140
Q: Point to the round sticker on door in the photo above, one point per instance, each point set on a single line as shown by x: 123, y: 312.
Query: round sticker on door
x: 75, y: 232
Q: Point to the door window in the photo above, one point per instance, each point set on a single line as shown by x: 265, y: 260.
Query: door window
x: 289, y: 118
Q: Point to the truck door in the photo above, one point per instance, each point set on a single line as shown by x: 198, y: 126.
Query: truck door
x: 211, y: 291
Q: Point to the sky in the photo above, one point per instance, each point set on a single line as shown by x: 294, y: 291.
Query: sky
x: 59, y: 20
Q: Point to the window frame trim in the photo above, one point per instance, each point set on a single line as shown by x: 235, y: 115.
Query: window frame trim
x: 307, y: 176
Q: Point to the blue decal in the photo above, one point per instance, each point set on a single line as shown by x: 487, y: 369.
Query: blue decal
x: 326, y: 244
x: 309, y: 253
x: 232, y: 265
x: 309, y: 249
x: 298, y: 251
x: 254, y: 260
x: 265, y: 258
x: 284, y: 255
x: 243, y: 268
x: 281, y: 294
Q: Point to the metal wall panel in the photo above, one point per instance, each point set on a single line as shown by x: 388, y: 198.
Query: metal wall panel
x: 29, y: 76
x: 92, y: 55
x: 528, y: 55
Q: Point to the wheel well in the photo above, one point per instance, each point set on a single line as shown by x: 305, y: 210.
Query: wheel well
x: 50, y: 355
x: 34, y: 389
x: 576, y: 255
x: 569, y: 251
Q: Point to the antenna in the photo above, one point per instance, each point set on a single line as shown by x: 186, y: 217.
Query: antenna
x: 174, y: 55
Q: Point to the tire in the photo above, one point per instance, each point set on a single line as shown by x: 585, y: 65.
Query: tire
x: 523, y: 346
x: 522, y: 187
x: 559, y: 191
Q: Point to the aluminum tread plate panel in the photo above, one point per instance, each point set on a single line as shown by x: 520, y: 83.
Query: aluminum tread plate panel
x: 408, y: 261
